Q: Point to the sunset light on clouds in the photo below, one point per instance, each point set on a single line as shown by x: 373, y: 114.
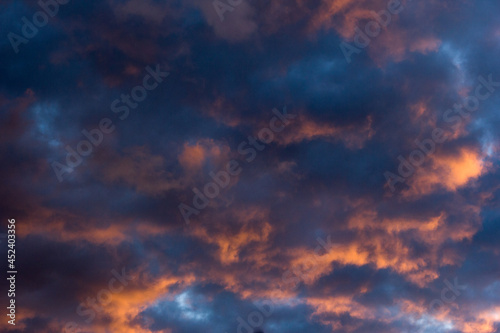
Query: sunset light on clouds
x: 244, y: 166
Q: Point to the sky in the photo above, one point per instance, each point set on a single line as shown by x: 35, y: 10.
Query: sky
x: 230, y: 166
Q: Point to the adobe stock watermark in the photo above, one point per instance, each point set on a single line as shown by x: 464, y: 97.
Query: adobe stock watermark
x: 372, y: 29
x: 221, y: 7
x: 29, y: 29
x: 97, y: 304
x: 291, y: 278
x: 95, y: 136
x: 222, y: 178
x: 455, y: 116
x: 453, y: 291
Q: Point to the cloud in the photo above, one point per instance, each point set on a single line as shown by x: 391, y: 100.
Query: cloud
x: 321, y: 177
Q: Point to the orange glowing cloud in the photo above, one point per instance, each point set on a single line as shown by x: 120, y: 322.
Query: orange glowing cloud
x: 230, y: 244
x: 54, y: 226
x: 448, y: 171
x: 303, y: 128
x: 392, y: 42
x: 339, y: 305
x: 380, y: 242
x: 194, y: 155
x: 122, y: 307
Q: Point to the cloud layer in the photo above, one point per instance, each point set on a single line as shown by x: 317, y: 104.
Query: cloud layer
x: 312, y: 235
